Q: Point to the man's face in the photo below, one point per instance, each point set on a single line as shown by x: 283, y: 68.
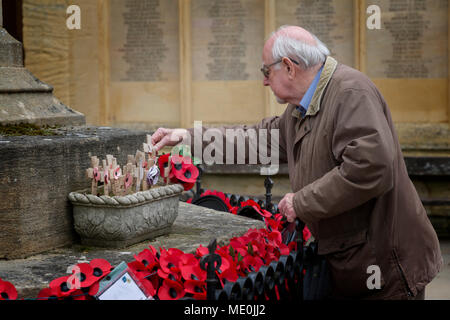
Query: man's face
x: 276, y: 76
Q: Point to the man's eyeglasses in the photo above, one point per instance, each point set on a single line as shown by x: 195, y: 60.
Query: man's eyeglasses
x: 266, y: 69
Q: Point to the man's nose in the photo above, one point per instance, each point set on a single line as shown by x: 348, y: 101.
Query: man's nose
x: 265, y: 82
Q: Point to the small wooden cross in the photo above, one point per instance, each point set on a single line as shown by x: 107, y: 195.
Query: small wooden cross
x: 150, y: 151
x: 105, y: 178
x: 94, y: 174
x: 128, y: 172
x: 139, y: 174
x: 115, y: 177
x: 148, y: 147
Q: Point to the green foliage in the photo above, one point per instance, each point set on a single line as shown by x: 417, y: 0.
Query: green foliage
x: 26, y: 129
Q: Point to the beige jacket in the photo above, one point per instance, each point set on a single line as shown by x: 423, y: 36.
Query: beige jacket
x: 352, y: 188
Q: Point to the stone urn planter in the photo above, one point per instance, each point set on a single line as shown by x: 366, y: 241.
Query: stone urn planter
x: 121, y: 221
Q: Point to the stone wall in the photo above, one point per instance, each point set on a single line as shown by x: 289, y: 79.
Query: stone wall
x: 36, y: 175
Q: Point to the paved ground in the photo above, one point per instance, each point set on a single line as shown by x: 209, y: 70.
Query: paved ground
x: 439, y: 288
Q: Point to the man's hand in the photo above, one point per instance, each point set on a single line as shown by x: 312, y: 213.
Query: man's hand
x: 167, y: 137
x: 286, y: 207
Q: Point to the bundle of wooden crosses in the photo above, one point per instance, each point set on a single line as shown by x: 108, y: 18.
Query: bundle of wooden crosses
x: 139, y: 174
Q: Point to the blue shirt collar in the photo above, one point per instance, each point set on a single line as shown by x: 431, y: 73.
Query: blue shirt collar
x: 306, y: 100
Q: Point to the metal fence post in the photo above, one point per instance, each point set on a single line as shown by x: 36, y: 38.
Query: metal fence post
x: 211, y: 263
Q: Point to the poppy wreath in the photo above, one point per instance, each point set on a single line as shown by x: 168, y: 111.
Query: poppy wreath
x: 235, y: 209
x: 182, y: 170
x: 219, y: 194
x: 273, y: 222
x: 82, y: 284
x: 171, y: 274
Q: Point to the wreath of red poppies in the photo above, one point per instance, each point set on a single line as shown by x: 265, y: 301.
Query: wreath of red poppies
x: 171, y: 274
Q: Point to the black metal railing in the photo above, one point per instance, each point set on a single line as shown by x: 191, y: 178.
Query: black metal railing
x: 301, y: 275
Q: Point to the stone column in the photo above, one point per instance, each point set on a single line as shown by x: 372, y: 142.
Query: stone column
x: 23, y: 97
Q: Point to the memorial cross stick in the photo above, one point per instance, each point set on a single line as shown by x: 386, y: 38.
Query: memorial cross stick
x: 94, y: 174
x: 115, y: 178
x: 109, y: 161
x: 151, y: 160
x: 105, y: 178
x: 129, y: 171
x: 139, y: 172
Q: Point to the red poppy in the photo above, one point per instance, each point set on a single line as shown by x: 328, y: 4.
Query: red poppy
x: 139, y: 269
x: 47, y: 294
x: 154, y: 252
x: 148, y: 279
x: 234, y: 210
x: 183, y: 169
x: 273, y: 224
x: 252, y: 264
x: 257, y: 207
x: 195, y: 286
x: 94, y: 288
x: 193, y: 272
x: 7, y: 291
x: 275, y: 236
x: 292, y: 246
x: 306, y: 234
x: 284, y: 249
x: 172, y: 275
x: 151, y: 285
x: 177, y: 162
x: 175, y: 251
x: 61, y: 286
x: 199, y: 296
x: 79, y: 295
x: 188, y: 173
x: 82, y: 276
x: 163, y: 162
x: 230, y: 274
x: 100, y: 268
x: 147, y: 258
x: 188, y: 258
x: 171, y: 290
x: 169, y: 261
x: 201, y: 251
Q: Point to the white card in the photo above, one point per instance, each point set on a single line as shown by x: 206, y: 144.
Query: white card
x: 125, y: 288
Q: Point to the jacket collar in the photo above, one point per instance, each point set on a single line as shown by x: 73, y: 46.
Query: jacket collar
x: 325, y: 77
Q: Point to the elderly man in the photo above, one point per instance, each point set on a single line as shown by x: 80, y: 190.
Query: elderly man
x: 348, y: 176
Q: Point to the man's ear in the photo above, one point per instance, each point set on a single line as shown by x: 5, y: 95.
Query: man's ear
x: 289, y: 67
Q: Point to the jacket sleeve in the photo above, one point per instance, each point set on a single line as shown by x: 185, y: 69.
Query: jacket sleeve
x: 363, y: 147
x: 241, y: 144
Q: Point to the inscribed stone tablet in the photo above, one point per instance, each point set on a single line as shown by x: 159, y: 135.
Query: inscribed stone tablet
x: 144, y: 40
x: 412, y: 41
x: 227, y: 39
x: 330, y: 20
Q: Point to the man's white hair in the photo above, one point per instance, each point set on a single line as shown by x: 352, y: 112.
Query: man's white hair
x: 307, y: 55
